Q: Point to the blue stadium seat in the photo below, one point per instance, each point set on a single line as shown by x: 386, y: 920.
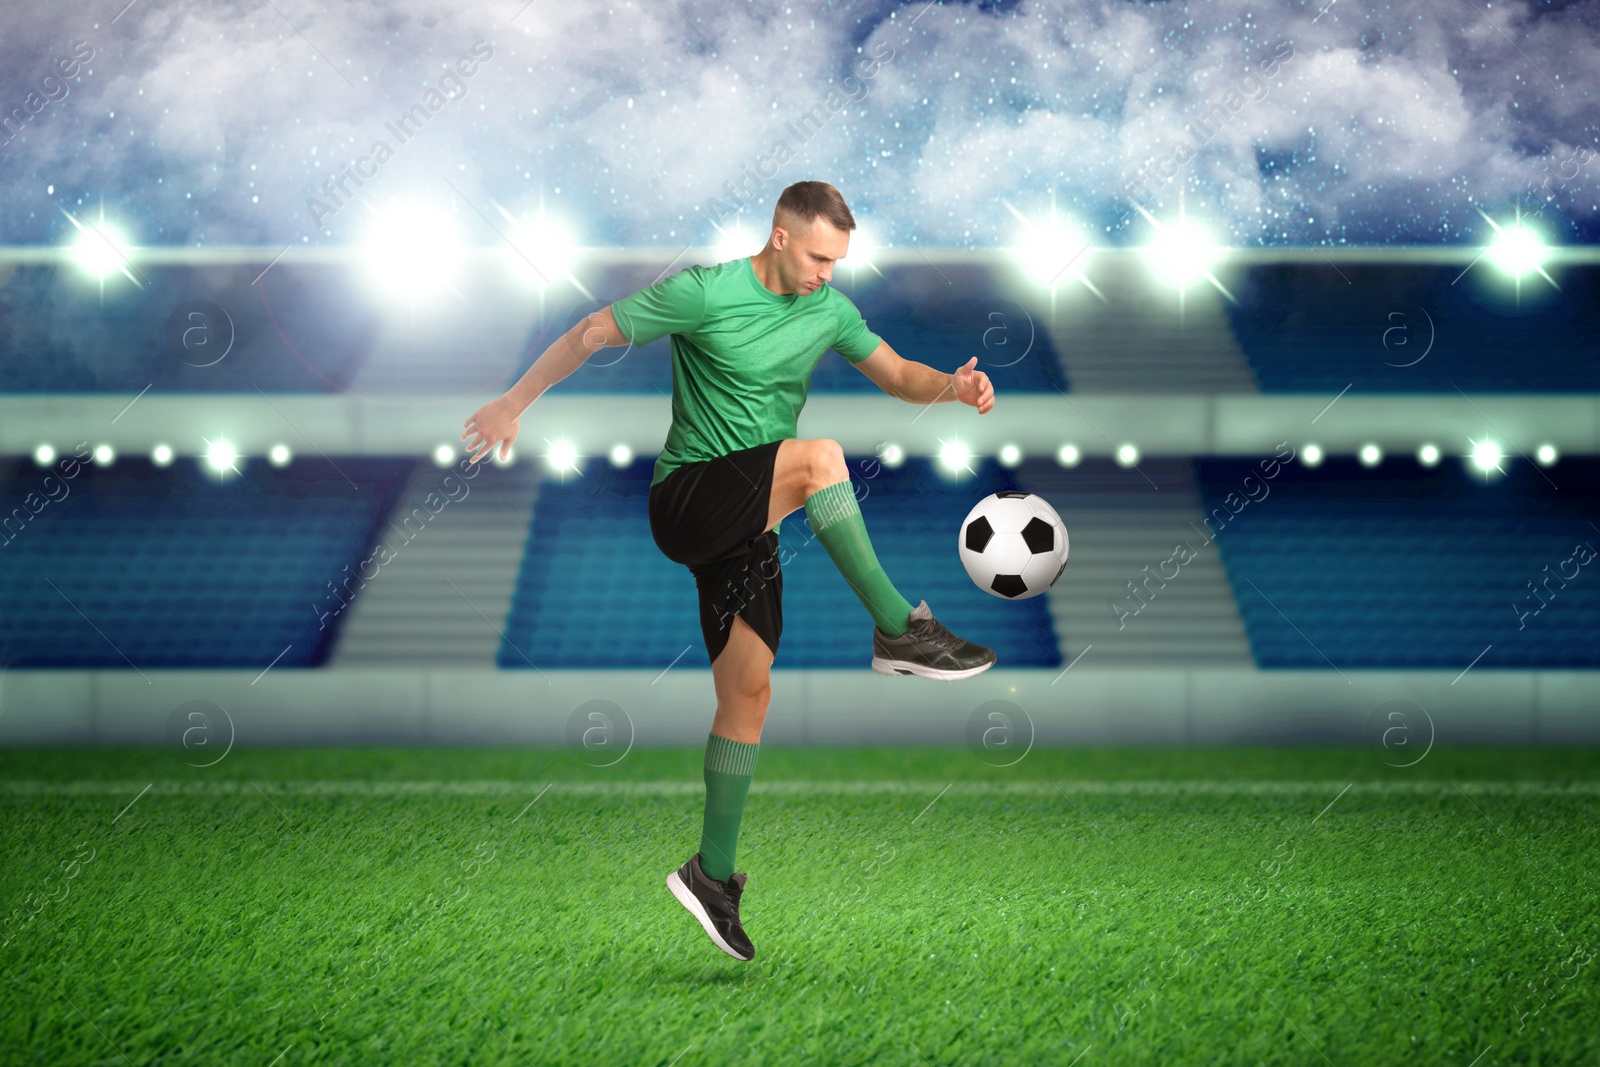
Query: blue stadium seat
x: 1314, y: 328
x: 1403, y: 566
x: 170, y: 568
x: 595, y: 591
x: 302, y: 328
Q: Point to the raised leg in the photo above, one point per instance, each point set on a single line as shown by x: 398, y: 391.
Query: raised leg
x: 802, y: 468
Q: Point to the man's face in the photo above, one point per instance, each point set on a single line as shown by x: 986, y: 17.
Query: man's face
x: 808, y: 258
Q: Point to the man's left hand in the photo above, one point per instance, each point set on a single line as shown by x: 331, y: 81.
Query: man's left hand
x: 972, y: 387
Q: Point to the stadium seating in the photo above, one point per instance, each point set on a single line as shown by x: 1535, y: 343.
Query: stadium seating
x: 1405, y: 567
x: 1311, y: 328
x: 143, y: 567
x: 595, y: 591
x: 301, y: 329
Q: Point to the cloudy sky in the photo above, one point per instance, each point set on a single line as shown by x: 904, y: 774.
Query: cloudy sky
x: 631, y: 122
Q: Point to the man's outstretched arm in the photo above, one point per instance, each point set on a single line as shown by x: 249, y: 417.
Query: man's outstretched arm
x: 498, y: 421
x: 918, y: 383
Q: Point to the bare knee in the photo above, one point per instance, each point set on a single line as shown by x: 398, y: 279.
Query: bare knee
x: 825, y: 464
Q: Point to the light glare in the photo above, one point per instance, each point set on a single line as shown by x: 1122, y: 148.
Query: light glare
x: 221, y: 456
x: 1486, y: 455
x: 954, y: 456
x: 413, y: 251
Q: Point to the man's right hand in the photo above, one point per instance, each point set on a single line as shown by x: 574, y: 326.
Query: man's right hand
x: 496, y: 423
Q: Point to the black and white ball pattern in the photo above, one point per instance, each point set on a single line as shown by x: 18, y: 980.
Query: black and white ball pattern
x: 1013, y: 545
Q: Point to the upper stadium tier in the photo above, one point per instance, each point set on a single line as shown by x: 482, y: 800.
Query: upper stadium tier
x: 1111, y: 322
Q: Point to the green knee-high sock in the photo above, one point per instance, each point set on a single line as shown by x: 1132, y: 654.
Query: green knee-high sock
x: 729, y: 767
x: 837, y: 522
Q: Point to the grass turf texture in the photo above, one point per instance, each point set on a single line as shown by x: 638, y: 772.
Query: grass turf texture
x: 507, y: 907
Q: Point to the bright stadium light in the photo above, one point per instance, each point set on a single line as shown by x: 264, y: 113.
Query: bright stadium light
x: 562, y: 457
x: 955, y: 456
x: 1311, y: 455
x: 736, y: 242
x: 222, y: 457
x: 1428, y: 455
x: 1517, y: 251
x: 1547, y: 455
x: 542, y: 250
x: 1127, y: 455
x: 1010, y: 455
x: 621, y: 455
x: 44, y: 455
x: 1069, y: 456
x: 892, y: 456
x: 863, y: 251
x: 1371, y: 455
x: 161, y: 455
x: 413, y: 251
x: 444, y: 455
x: 1050, y: 250
x: 279, y: 455
x: 104, y: 455
x: 1486, y: 456
x: 100, y: 249
x: 1183, y: 254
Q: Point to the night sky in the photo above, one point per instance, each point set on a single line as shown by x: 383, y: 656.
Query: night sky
x: 944, y: 124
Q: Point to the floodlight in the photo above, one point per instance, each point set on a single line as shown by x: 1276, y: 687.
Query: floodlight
x: 413, y: 251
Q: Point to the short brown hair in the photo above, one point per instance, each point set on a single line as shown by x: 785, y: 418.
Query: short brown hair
x: 801, y: 203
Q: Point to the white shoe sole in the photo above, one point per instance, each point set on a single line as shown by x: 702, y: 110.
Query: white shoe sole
x: 687, y: 898
x: 898, y: 666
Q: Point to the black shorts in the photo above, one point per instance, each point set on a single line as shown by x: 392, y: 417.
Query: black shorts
x: 711, y: 516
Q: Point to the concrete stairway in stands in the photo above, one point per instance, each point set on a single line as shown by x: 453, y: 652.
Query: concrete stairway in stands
x: 1141, y: 340
x: 1119, y: 522
x: 411, y: 613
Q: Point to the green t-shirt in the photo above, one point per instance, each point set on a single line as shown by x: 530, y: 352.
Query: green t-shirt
x: 742, y: 355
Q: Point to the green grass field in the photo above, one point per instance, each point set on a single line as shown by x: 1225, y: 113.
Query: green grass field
x: 1235, y: 906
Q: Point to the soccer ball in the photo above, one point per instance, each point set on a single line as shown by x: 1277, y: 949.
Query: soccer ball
x: 1013, y: 545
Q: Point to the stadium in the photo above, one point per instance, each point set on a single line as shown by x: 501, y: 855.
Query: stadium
x: 327, y: 740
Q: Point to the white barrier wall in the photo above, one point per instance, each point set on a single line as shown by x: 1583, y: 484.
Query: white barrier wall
x: 1079, y: 707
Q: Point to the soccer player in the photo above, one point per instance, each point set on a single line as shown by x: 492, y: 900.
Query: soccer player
x: 746, y: 335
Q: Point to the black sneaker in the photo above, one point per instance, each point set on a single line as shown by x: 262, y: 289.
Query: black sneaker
x: 928, y: 649
x: 715, y: 904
